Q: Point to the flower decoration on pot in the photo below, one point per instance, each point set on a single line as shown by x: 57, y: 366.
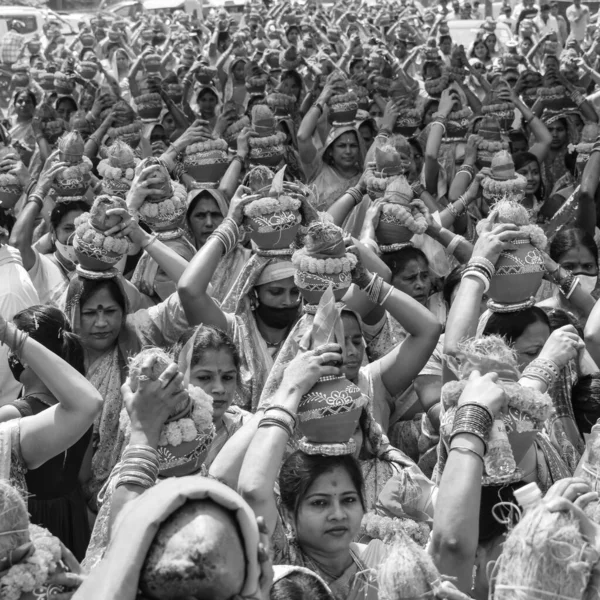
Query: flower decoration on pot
x: 125, y: 127
x: 72, y: 183
x: 520, y: 269
x: 589, y: 135
x: 274, y: 218
x: 503, y: 181
x: 173, y: 88
x: 164, y: 212
x: 149, y: 106
x: 362, y: 93
x: 532, y: 81
x: 458, y: 66
x: 118, y: 169
x: 343, y: 104
x: 401, y: 216
x: 290, y: 59
x: 459, y: 118
x: 490, y: 140
x: 256, y: 79
x: 323, y: 262
x: 95, y: 251
x: 206, y: 74
x: 11, y: 187
x: 434, y: 73
x: 527, y: 411
x: 409, y: 115
x: 46, y: 80
x: 388, y: 165
x: 498, y: 103
x: 552, y: 94
x: 230, y: 134
x: 282, y: 105
x: 63, y: 84
x: 187, y: 434
x: 88, y: 69
x: 207, y: 161
x: 152, y: 62
x: 87, y: 39
x: 114, y: 34
x: 329, y: 413
x: 268, y: 148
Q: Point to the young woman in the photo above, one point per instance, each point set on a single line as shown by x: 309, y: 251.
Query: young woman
x: 56, y: 500
x: 21, y: 131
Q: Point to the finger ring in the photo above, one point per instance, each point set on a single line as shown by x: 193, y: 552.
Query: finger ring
x: 143, y: 378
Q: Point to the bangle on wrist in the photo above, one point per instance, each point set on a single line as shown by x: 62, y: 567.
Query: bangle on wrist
x: 454, y: 244
x: 151, y: 241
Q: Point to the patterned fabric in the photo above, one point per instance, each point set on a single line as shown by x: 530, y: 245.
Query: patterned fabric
x: 11, y: 47
x: 12, y: 466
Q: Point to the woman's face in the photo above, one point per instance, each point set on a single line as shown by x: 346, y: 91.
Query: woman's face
x: 290, y: 87
x: 279, y: 294
x: 490, y: 42
x: 238, y: 71
x: 207, y: 104
x: 345, y: 151
x: 66, y: 227
x: 101, y: 321
x: 446, y: 46
x: 354, y: 348
x: 204, y: 219
x: 414, y: 279
x: 480, y: 51
x: 330, y: 513
x: 531, y: 172
x: 24, y: 106
x: 559, y: 134
x: 375, y: 111
x: 580, y: 261
x: 64, y: 110
x: 366, y: 132
x: 530, y: 343
x: 168, y: 124
x: 292, y: 37
x: 216, y: 374
x: 122, y: 62
x: 525, y: 46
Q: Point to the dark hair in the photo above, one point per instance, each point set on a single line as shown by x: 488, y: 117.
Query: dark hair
x: 586, y: 402
x: 522, y: 159
x: 204, y: 91
x: 62, y: 209
x: 292, y: 74
x: 299, y: 471
x: 50, y: 327
x: 208, y: 338
x: 512, y: 325
x: 61, y: 99
x: 516, y: 135
x: 299, y: 586
x: 92, y: 286
x: 416, y: 146
x: 567, y: 239
x: 398, y: 260
x: 451, y: 282
x: 28, y: 93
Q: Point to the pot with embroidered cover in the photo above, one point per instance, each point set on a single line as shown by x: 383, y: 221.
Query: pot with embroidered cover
x: 323, y: 262
x: 499, y: 104
x: 118, y: 169
x: 96, y: 251
x: 274, y: 217
x: 207, y: 161
x: 328, y: 414
x: 11, y: 187
x: 268, y: 147
x: 520, y: 269
x: 71, y: 184
x: 401, y: 216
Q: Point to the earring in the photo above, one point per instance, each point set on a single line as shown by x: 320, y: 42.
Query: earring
x: 474, y: 577
x: 290, y: 534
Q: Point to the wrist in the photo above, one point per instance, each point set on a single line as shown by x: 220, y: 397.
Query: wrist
x: 144, y: 436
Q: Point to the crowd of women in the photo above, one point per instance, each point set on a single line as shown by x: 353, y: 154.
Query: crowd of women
x: 300, y: 306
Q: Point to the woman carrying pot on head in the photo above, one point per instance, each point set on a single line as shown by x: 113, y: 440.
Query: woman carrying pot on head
x: 55, y: 497
x: 22, y: 130
x: 322, y: 497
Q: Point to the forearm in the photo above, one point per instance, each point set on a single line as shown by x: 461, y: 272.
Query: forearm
x: 342, y: 207
x: 167, y: 259
x: 21, y: 236
x: 460, y: 248
x: 464, y: 314
x: 231, y: 179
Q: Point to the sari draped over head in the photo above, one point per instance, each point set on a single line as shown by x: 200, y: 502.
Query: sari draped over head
x: 160, y: 325
x: 233, y: 92
x: 230, y: 265
x: 256, y: 360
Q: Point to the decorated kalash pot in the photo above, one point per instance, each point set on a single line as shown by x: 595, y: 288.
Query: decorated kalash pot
x: 409, y: 116
x: 435, y: 75
x: 64, y: 84
x: 388, y: 165
x: 498, y: 104
x: 520, y: 268
x: 149, y: 106
x: 459, y: 118
x: 268, y: 147
x: 273, y: 216
x: 552, y: 94
x: 343, y: 104
x: 256, y: 79
x: 187, y: 434
x: 207, y: 161
x: 164, y: 212
x: 512, y: 435
x: 173, y: 88
x: 489, y: 141
x: 401, y: 216
x: 329, y: 413
x: 88, y: 69
x: 532, y: 82
x: 282, y: 105
x: 323, y: 262
x: 118, y: 169
x: 126, y: 126
x: 151, y: 62
x: 503, y: 181
x: 71, y: 184
x: 52, y: 126
x: 11, y: 187
x: 230, y: 135
x: 96, y: 252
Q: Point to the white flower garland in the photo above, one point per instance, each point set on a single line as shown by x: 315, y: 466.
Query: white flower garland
x: 322, y: 266
x: 152, y: 99
x: 34, y: 571
x: 7, y: 179
x: 510, y: 187
x: 343, y: 98
x: 207, y: 146
x: 270, y: 140
x: 277, y: 100
x: 189, y: 428
x: 236, y: 127
x: 168, y: 209
x: 412, y: 217
x: 90, y: 235
x: 458, y: 115
x: 76, y: 172
x: 107, y: 171
x: 492, y: 145
x: 558, y: 90
x: 268, y: 205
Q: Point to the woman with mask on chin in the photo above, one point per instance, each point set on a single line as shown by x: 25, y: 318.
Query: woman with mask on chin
x: 573, y: 251
x: 259, y: 310
x: 50, y: 273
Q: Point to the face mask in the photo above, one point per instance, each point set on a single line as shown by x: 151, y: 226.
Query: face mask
x: 16, y: 366
x: 65, y: 251
x: 278, y: 318
x: 588, y: 282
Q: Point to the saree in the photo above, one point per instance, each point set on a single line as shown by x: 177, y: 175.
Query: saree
x: 12, y: 467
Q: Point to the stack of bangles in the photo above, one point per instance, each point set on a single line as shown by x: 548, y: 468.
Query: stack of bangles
x: 456, y: 212
x: 480, y: 268
x: 17, y: 339
x: 439, y: 119
x: 417, y: 189
x: 356, y: 195
x: 374, y: 289
x: 542, y: 369
x: 139, y: 466
x: 468, y: 169
x: 472, y: 418
x: 568, y: 283
x: 577, y: 97
x: 36, y: 197
x: 454, y: 244
x: 228, y: 233
x: 279, y: 416
x: 384, y: 133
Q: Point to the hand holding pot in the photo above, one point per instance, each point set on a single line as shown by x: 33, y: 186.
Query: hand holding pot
x: 484, y: 389
x: 141, y: 187
x: 494, y: 238
x: 236, y: 207
x: 562, y: 346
